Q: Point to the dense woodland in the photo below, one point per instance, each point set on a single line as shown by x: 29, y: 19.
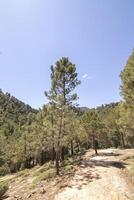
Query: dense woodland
x: 61, y: 128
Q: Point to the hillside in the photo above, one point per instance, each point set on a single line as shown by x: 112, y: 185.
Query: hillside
x: 13, y: 111
x: 14, y: 114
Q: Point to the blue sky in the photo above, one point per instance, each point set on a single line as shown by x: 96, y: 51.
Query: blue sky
x: 97, y: 35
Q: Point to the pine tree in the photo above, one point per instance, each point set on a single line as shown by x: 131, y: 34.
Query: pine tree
x: 92, y: 125
x: 63, y: 82
x: 127, y: 77
x: 127, y: 90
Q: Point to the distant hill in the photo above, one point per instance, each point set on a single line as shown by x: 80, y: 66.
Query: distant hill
x: 101, y: 108
x: 13, y: 112
x: 83, y: 108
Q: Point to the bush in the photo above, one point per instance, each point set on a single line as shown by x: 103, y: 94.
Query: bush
x: 24, y: 173
x: 68, y: 168
x: 44, y: 168
x: 50, y: 173
x: 67, y: 162
x: 4, y: 170
x: 132, y: 170
x: 3, y: 189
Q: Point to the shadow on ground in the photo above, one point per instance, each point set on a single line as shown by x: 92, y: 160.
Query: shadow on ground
x: 86, y: 173
x: 108, y: 154
x: 4, y: 197
x: 103, y: 163
x: 82, y: 178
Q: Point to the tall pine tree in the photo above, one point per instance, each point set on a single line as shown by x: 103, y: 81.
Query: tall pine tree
x: 61, y: 97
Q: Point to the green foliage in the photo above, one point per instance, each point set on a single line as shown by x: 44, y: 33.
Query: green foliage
x: 130, y: 160
x: 68, y: 168
x: 4, y: 169
x: 23, y: 173
x: 127, y: 77
x: 68, y: 165
x: 3, y: 189
x: 44, y: 168
x: 64, y: 80
x: 91, y: 121
x: 40, y: 176
x: 14, y: 114
x: 132, y: 170
x: 61, y: 100
x: 127, y: 109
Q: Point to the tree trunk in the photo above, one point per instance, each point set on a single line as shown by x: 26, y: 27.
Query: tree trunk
x: 78, y: 146
x: 57, y: 162
x: 62, y: 153
x: 53, y: 149
x: 33, y: 162
x: 72, y: 148
x: 58, y: 148
x: 53, y: 154
x: 87, y: 145
x: 122, y: 140
x: 95, y: 145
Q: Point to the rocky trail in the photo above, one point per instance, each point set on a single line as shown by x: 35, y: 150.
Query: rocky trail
x: 101, y: 177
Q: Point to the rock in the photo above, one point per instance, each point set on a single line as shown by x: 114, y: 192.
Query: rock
x: 34, y: 191
x: 29, y: 196
x: 43, y: 191
x: 41, y: 185
x: 17, y: 197
x: 63, y: 186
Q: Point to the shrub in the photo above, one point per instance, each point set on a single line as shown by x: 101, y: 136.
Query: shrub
x: 3, y: 189
x: 24, y: 173
x: 67, y: 162
x: 68, y: 168
x: 4, y: 170
x: 44, y: 168
x: 50, y: 173
x: 132, y: 170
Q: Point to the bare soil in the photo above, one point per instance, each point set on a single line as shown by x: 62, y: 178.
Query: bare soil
x: 99, y: 178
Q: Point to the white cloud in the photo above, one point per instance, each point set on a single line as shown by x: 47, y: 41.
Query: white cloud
x: 85, y: 76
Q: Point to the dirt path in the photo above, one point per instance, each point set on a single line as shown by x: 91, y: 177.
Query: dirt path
x: 98, y: 178
x: 101, y: 177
